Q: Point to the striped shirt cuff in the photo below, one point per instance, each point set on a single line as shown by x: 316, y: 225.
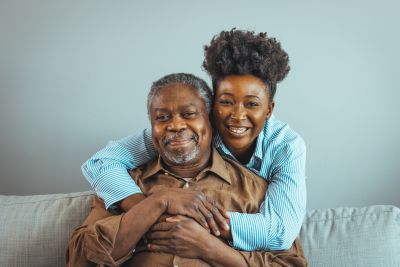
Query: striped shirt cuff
x: 115, y: 185
x: 249, y: 231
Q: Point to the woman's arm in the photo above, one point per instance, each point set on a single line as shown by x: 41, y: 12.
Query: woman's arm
x: 279, y: 220
x: 107, y: 172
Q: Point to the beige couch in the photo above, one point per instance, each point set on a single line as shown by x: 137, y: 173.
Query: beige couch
x: 35, y: 231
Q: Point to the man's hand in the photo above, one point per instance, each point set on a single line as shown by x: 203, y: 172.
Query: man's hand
x: 197, y: 205
x: 180, y: 236
x: 184, y: 237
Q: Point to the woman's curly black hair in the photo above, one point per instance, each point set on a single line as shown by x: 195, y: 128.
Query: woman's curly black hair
x: 239, y: 52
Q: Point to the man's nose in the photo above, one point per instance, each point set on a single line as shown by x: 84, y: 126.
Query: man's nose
x: 176, y: 124
x: 238, y: 113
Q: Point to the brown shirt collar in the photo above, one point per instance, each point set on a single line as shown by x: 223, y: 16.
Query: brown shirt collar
x: 218, y: 167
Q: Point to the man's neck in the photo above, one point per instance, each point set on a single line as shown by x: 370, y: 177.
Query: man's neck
x: 189, y: 170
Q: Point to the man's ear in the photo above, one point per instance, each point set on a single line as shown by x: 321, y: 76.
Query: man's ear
x: 271, y: 107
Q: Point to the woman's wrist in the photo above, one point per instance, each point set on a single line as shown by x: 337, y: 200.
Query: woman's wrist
x: 219, y: 254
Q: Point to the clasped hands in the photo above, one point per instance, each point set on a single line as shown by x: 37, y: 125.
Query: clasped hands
x: 185, y: 228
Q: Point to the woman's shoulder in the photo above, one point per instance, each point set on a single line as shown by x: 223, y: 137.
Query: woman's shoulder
x: 279, y: 134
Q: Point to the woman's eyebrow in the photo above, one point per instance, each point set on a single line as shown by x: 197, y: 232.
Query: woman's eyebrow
x: 226, y: 94
x: 247, y: 96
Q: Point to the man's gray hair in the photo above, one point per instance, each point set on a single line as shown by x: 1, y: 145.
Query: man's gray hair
x: 200, y: 85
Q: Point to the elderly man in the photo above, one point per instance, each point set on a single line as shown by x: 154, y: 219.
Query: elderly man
x: 188, y: 176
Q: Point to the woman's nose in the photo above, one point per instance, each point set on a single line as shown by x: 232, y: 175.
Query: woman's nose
x: 239, y: 113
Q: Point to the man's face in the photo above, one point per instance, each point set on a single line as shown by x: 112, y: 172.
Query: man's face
x: 181, y: 129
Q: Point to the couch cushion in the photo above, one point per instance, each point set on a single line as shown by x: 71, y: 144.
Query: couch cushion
x: 352, y: 236
x: 35, y: 230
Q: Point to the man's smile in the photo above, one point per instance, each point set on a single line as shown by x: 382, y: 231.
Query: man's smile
x: 179, y: 142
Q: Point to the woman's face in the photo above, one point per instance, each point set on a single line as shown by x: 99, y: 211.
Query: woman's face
x: 240, y: 109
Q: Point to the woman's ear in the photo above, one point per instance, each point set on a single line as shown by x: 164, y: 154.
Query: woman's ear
x: 270, y: 110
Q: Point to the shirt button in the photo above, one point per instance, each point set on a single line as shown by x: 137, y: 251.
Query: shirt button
x: 187, y: 184
x: 96, y: 189
x: 166, y: 173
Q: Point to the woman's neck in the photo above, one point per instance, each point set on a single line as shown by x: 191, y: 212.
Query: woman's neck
x: 244, y: 155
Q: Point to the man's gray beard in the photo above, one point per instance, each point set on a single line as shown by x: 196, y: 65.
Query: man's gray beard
x: 181, y: 159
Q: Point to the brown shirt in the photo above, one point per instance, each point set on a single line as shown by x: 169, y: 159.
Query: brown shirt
x: 236, y: 188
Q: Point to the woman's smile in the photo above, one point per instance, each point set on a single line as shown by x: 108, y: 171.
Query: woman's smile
x: 239, y: 130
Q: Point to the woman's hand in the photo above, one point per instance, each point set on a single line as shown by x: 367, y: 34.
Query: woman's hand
x: 180, y: 236
x: 197, y: 205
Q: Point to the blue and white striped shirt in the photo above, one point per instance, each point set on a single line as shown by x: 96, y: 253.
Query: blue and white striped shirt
x: 280, y: 158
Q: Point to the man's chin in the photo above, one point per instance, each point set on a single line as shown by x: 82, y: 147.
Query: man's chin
x: 181, y: 156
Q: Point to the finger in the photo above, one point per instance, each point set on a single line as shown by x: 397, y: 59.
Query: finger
x: 173, y: 219
x: 216, y: 213
x: 164, y: 226
x: 219, y: 207
x: 159, y: 242
x: 210, y: 219
x: 177, y: 218
x: 158, y: 235
x: 199, y: 217
x: 158, y: 248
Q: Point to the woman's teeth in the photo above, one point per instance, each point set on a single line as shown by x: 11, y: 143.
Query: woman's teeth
x: 238, y: 129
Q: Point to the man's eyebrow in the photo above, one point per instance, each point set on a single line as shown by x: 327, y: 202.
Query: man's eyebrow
x: 188, y: 106
x: 161, y: 109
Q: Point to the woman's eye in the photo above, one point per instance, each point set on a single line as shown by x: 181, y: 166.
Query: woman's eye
x: 226, y: 102
x: 253, y: 104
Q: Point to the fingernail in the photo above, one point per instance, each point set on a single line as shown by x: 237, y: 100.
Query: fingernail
x: 226, y: 226
x: 218, y: 233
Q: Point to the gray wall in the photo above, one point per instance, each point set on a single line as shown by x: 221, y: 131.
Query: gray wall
x: 75, y: 74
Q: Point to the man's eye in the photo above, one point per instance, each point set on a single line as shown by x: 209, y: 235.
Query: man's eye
x: 162, y: 117
x: 188, y: 114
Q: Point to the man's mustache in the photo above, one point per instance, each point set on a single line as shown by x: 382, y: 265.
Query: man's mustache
x: 193, y: 136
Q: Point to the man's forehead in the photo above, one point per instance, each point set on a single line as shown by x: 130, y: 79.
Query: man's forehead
x: 177, y: 95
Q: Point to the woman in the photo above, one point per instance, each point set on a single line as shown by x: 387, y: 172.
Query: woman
x: 245, y: 69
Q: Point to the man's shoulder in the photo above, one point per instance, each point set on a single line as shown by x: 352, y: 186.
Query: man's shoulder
x: 143, y: 170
